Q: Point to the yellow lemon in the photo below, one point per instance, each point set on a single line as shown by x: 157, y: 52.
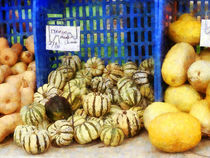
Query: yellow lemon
x: 175, y: 132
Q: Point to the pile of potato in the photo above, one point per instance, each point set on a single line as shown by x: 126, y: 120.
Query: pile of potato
x: 17, y: 82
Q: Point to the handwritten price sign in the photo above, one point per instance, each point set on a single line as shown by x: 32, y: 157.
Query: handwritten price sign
x: 205, y: 33
x: 63, y: 38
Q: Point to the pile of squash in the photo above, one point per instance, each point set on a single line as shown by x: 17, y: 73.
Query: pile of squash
x: 17, y: 82
x: 85, y: 102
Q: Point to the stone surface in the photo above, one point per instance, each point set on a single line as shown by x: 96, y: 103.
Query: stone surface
x: 137, y: 147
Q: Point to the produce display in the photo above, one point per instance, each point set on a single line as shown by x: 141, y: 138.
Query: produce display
x: 17, y: 83
x: 83, y: 101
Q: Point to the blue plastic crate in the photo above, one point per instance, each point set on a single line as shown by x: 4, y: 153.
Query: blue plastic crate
x: 15, y: 20
x: 114, y: 30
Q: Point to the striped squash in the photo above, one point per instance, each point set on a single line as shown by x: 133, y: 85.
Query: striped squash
x: 129, y: 68
x: 57, y: 79
x: 61, y: 133
x: 99, y: 84
x: 128, y: 121
x: 45, y: 92
x: 87, y: 132
x: 73, y: 62
x: 114, y: 94
x: 141, y: 77
x: 85, y: 75
x: 147, y: 91
x: 114, y: 109
x: 147, y: 65
x: 76, y: 120
x: 67, y: 72
x: 76, y: 86
x: 144, y: 102
x: 33, y: 114
x: 111, y: 135
x: 139, y: 111
x: 124, y: 82
x: 129, y: 96
x: 95, y: 66
x: 75, y: 100
x: 99, y: 120
x: 20, y: 132
x: 80, y: 112
x: 113, y: 71
x: 36, y: 142
x: 43, y: 125
x: 96, y: 104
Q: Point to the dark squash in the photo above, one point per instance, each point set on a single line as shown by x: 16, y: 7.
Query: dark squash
x: 58, y: 108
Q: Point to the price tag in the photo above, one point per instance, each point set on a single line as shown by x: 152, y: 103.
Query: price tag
x: 205, y: 33
x: 63, y: 38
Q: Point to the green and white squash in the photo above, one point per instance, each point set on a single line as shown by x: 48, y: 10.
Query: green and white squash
x: 96, y: 104
x: 114, y: 95
x: 84, y: 75
x: 128, y: 121
x: 147, y: 91
x: 33, y: 114
x: 114, y: 109
x: 130, y: 96
x: 76, y: 86
x: 141, y: 77
x: 95, y: 66
x: 99, y: 120
x: 114, y: 72
x: 125, y: 82
x: 20, y: 132
x: 80, y: 112
x: 87, y: 132
x: 46, y: 92
x: 111, y: 135
x: 76, y: 120
x: 139, y: 111
x: 74, y: 100
x: 61, y: 133
x: 36, y: 142
x: 147, y: 65
x: 99, y: 84
x: 73, y: 62
x: 57, y: 79
x: 67, y: 72
x: 129, y: 68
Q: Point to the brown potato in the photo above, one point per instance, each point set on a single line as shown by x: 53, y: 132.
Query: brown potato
x: 8, y: 57
x: 19, y: 68
x: 26, y: 57
x: 18, y: 48
x: 30, y: 44
x: 6, y: 70
x: 3, y: 43
x: 32, y: 66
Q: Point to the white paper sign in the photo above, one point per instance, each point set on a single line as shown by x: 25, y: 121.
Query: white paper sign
x: 205, y: 33
x: 63, y: 38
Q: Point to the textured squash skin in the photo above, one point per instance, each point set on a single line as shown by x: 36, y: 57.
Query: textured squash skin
x: 113, y: 72
x: 96, y: 104
x: 176, y: 63
x: 128, y: 121
x: 111, y: 136
x: 61, y: 133
x: 33, y: 114
x: 87, y: 132
x: 20, y: 132
x: 129, y: 68
x: 36, y: 142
